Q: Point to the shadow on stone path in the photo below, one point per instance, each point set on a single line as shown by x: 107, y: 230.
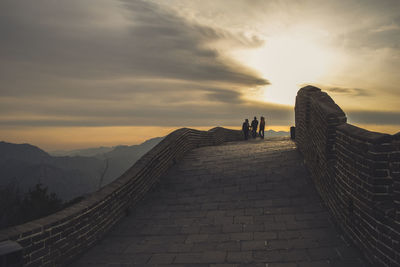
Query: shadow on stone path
x: 238, y: 204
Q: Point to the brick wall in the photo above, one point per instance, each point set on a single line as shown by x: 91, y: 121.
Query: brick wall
x: 357, y: 173
x: 59, y: 238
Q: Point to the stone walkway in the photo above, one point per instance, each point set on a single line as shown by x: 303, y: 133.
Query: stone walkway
x: 239, y: 204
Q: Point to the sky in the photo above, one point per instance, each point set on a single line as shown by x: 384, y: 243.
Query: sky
x: 84, y: 73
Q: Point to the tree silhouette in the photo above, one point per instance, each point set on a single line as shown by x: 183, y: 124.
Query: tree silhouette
x: 35, y: 204
x: 38, y: 203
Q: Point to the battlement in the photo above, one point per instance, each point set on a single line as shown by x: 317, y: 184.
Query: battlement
x: 355, y: 171
x: 57, y: 239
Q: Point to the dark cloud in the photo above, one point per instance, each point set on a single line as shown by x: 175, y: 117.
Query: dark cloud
x: 347, y: 91
x: 226, y: 96
x: 151, y: 42
x: 137, y: 102
x: 374, y: 117
x: 123, y: 113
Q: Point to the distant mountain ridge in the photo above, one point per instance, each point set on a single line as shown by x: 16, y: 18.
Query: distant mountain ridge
x: 67, y: 176
x: 86, y: 152
x: 25, y: 152
x: 272, y: 133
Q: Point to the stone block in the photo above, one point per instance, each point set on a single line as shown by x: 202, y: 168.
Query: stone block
x: 11, y: 254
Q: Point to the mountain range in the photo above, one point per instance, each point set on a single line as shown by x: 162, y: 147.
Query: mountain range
x: 272, y: 133
x: 73, y: 174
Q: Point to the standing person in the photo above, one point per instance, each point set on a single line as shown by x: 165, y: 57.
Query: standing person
x: 245, y: 129
x: 262, y: 127
x: 254, y: 125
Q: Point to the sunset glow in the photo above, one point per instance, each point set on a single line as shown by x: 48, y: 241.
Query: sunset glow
x: 289, y: 60
x: 112, y: 69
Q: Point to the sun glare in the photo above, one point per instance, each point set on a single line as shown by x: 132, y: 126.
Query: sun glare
x: 287, y: 61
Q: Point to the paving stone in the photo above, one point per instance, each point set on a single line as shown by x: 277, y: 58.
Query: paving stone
x: 218, y: 237
x: 223, y: 265
x: 210, y: 229
x: 254, y: 245
x: 265, y: 235
x: 303, y: 243
x: 180, y: 247
x: 346, y: 252
x: 188, y: 258
x: 223, y: 220
x: 204, y: 246
x: 349, y: 263
x: 253, y: 227
x: 235, y: 212
x: 281, y: 264
x: 190, y: 229
x: 251, y: 265
x: 216, y: 213
x: 214, y: 256
x: 284, y: 217
x: 278, y: 244
x: 161, y: 258
x: 228, y: 246
x: 254, y: 211
x: 314, y: 264
x: 196, y: 238
x: 270, y: 226
x: 328, y: 253
x: 240, y: 257
x: 268, y: 256
x: 241, y: 236
x: 232, y: 228
x: 243, y: 219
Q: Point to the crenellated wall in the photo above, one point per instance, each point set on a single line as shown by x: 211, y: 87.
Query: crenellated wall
x: 357, y: 173
x: 57, y: 239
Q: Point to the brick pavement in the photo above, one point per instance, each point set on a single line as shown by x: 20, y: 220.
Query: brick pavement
x: 238, y: 204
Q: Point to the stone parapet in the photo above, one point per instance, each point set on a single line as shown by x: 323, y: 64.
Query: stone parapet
x: 57, y: 239
x: 356, y: 173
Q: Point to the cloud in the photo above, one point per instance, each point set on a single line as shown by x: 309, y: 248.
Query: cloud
x: 347, y: 91
x: 178, y: 106
x: 116, y: 63
x: 387, y: 27
x: 226, y: 96
x: 151, y: 42
x: 108, y: 63
x: 373, y: 117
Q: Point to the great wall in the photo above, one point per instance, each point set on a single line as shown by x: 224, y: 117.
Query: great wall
x: 230, y: 207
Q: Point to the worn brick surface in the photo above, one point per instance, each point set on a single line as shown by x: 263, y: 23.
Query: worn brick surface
x: 356, y: 172
x: 238, y: 204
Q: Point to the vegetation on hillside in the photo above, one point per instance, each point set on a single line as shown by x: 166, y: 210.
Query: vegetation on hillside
x: 16, y: 208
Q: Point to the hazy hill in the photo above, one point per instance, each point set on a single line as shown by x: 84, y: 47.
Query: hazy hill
x: 87, y: 152
x: 27, y: 165
x: 23, y: 152
x: 67, y: 176
x: 272, y: 133
x: 122, y: 157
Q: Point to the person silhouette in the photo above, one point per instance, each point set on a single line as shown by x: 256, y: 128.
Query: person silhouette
x: 254, y: 125
x: 245, y: 129
x: 262, y: 127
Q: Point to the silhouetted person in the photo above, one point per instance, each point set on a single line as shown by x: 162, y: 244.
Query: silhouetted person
x: 262, y: 127
x: 245, y: 129
x: 254, y: 125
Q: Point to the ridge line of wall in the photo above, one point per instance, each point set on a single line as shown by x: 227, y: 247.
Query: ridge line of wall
x: 58, y: 239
